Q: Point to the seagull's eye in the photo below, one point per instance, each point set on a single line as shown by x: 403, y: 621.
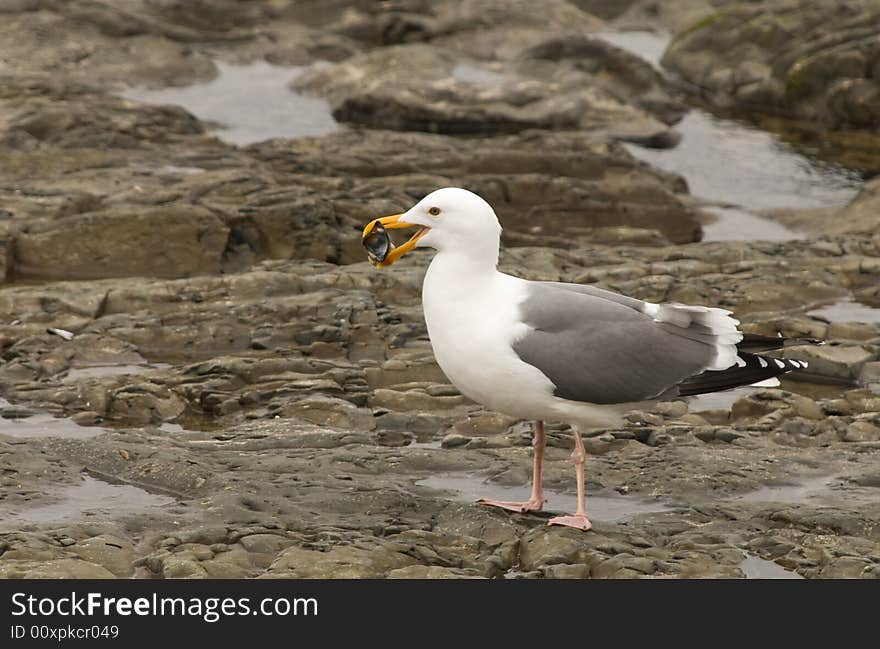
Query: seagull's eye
x: 434, y: 211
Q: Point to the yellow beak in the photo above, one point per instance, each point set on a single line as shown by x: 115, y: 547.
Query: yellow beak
x: 393, y: 223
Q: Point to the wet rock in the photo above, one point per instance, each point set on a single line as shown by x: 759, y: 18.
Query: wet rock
x: 861, y: 431
x: 176, y: 567
x: 563, y: 571
x: 846, y: 568
x: 393, y: 374
x: 542, y: 547
x: 624, y: 566
x: 672, y: 409
x: 800, y: 427
x: 394, y: 438
x: 471, y: 26
x: 870, y: 374
x: 442, y: 390
x: 17, y: 413
x: 199, y: 551
x: 622, y: 74
x: 287, y: 224
x: 53, y: 569
x: 726, y: 435
x: 861, y: 215
x: 483, y: 425
x: 338, y: 563
x: 659, y: 438
x: 625, y: 14
x: 414, y: 88
x: 336, y: 413
x: 454, y: 440
x: 862, y: 401
x: 265, y: 543
x: 204, y: 535
x: 165, y: 243
x: 547, y: 188
x: 641, y: 418
x: 420, y: 425
x: 705, y: 434
x: 229, y: 565
x: 89, y: 349
x: 413, y: 400
x: 157, y: 44
x: 568, y: 154
x: 113, y: 553
x: 809, y: 60
x: 64, y: 115
x: 431, y: 572
x: 837, y: 361
x: 851, y: 331
x: 145, y: 403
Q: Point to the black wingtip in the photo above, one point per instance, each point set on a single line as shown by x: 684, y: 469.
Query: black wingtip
x: 754, y: 343
x: 749, y: 369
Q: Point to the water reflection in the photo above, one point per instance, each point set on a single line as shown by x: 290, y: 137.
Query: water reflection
x: 739, y: 168
x: 252, y: 102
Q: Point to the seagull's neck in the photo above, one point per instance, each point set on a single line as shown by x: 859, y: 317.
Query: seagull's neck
x: 460, y: 291
x: 457, y: 278
x: 465, y: 265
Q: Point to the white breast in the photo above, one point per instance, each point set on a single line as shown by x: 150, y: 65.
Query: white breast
x: 472, y: 318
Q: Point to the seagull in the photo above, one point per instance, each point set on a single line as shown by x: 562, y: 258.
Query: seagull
x: 571, y: 353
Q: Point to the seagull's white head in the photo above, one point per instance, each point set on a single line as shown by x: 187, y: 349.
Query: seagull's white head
x: 451, y: 219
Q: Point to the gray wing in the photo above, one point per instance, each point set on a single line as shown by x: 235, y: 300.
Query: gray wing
x: 631, y: 302
x: 601, y: 347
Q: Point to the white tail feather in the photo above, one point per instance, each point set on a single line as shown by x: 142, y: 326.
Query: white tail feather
x: 716, y: 323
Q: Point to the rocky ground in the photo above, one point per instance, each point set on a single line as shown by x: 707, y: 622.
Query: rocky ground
x: 815, y: 61
x: 202, y: 377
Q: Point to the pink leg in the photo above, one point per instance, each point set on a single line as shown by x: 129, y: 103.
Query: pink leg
x: 537, y: 500
x: 579, y: 520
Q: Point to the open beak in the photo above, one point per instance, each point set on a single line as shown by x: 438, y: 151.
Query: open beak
x: 380, y: 250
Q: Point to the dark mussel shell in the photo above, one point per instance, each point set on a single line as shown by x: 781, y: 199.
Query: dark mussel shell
x: 377, y: 243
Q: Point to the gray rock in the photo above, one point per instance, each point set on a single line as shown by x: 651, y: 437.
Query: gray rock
x: 861, y: 431
x: 336, y: 413
x: 870, y: 374
x: 563, y: 571
x: 264, y: 543
x: 431, y: 572
x: 53, y: 569
x: 413, y: 88
x: 838, y: 361
x: 113, y: 553
x: 807, y: 60
x: 338, y: 563
x: 543, y: 547
x: 182, y: 568
x: 410, y: 400
x: 454, y: 440
x: 579, y: 187
x: 205, y: 535
x: 394, y: 438
x: 170, y: 242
